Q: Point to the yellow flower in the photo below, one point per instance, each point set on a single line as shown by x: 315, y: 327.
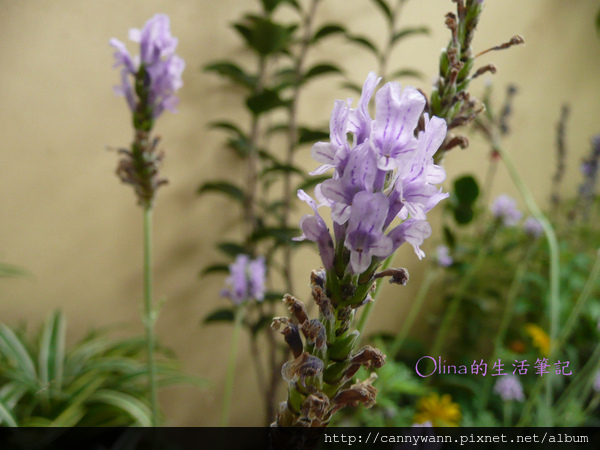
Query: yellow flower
x: 540, y: 338
x: 440, y: 411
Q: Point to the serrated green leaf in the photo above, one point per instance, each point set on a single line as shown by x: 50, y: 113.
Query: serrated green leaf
x: 327, y: 30
x: 385, y: 9
x: 321, y: 69
x: 232, y: 71
x: 409, y: 31
x: 220, y: 315
x: 214, y: 268
x: 466, y: 189
x: 265, y: 101
x: 312, y: 181
x: 223, y: 187
x: 231, y: 248
x: 127, y: 403
x: 364, y: 42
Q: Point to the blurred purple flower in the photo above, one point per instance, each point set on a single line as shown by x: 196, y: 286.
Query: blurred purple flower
x: 157, y: 67
x: 509, y: 388
x: 597, y: 382
x: 533, y: 227
x: 443, y: 256
x: 246, y: 279
x: 505, y: 209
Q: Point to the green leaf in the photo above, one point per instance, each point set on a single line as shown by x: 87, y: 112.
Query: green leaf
x: 310, y: 135
x: 224, y: 187
x: 352, y: 86
x: 231, y: 248
x: 265, y: 101
x: 400, y: 73
x: 598, y: 22
x: 327, y: 30
x: 69, y: 417
x: 283, y: 168
x: 220, y: 315
x: 409, y: 31
x: 51, y: 355
x: 385, y: 9
x: 364, y: 42
x: 228, y: 126
x: 17, y: 354
x: 10, y: 271
x: 232, y: 71
x: 449, y: 237
x: 271, y: 296
x: 321, y: 69
x: 463, y: 214
x: 312, y: 181
x: 265, y: 36
x: 129, y: 404
x: 466, y: 189
x: 215, y: 268
x: 283, y: 235
x: 6, y: 416
x: 262, y: 323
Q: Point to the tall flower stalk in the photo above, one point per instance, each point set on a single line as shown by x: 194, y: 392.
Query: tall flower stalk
x: 148, y: 83
x: 386, y: 173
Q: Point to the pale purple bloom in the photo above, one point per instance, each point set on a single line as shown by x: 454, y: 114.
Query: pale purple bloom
x: 162, y: 68
x: 246, y: 279
x: 315, y: 229
x: 443, y: 256
x: 509, y: 388
x: 364, y: 236
x: 427, y: 424
x: 412, y: 231
x: 505, y: 209
x: 533, y: 227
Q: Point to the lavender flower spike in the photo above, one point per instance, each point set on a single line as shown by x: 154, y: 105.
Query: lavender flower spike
x: 505, y: 208
x: 157, y: 70
x: 533, y: 227
x: 246, y: 280
x: 443, y: 256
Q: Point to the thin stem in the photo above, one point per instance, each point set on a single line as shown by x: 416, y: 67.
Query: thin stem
x: 368, y: 309
x: 554, y: 297
x: 515, y: 288
x: 235, y: 338
x: 441, y: 336
x: 430, y: 275
x: 149, y: 313
x: 507, y: 413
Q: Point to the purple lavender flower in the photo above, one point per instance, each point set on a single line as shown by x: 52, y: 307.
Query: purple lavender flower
x: 443, y: 256
x: 246, y: 279
x: 509, y: 388
x: 364, y: 236
x: 533, y: 227
x: 505, y: 209
x: 157, y: 68
x: 386, y: 173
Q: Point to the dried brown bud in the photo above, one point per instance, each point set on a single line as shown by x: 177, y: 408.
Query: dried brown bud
x: 362, y: 392
x: 316, y: 408
x: 398, y: 276
x: 489, y: 68
x: 369, y: 357
x: 460, y: 141
x: 290, y: 333
x: 302, y: 367
x: 296, y: 308
x: 314, y: 331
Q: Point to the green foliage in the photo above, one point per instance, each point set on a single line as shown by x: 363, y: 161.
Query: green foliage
x: 99, y: 381
x: 463, y: 198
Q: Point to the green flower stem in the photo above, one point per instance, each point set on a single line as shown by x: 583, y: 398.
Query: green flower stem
x: 442, y: 334
x: 149, y: 313
x: 554, y: 298
x: 235, y: 338
x: 507, y: 413
x: 368, y: 308
x: 515, y: 288
x: 430, y: 275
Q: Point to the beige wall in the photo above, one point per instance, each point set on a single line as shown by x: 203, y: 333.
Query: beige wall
x: 65, y: 216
